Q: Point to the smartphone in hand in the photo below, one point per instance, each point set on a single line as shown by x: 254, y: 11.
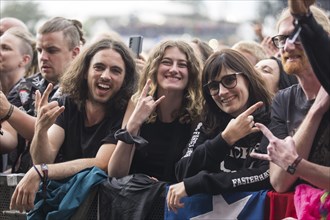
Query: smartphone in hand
x: 135, y: 43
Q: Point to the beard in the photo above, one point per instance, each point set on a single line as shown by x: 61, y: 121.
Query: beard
x: 297, y: 66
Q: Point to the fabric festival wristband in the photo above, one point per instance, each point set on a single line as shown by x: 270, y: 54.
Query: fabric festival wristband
x: 39, y: 174
x: 125, y: 136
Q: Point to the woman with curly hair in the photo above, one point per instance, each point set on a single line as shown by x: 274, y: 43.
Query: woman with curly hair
x: 162, y: 112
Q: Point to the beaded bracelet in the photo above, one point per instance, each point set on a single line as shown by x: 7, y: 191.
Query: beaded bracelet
x: 125, y: 136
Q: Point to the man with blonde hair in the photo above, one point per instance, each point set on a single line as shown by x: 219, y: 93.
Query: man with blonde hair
x: 301, y: 111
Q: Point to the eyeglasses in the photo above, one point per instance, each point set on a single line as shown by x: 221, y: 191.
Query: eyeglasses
x: 280, y: 40
x: 229, y: 82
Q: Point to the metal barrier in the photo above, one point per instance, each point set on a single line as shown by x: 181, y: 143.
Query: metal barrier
x: 88, y: 210
x: 8, y: 183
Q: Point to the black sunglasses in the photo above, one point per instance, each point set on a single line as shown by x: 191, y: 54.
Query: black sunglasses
x: 228, y: 81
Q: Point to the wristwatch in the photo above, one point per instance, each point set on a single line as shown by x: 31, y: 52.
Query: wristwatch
x: 292, y: 168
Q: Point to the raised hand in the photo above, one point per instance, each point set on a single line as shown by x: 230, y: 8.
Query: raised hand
x: 299, y: 7
x: 281, y: 152
x: 46, y: 112
x: 241, y: 126
x: 144, y: 107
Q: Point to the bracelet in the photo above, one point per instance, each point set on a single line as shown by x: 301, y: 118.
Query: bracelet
x: 292, y: 168
x: 10, y: 111
x: 39, y: 174
x: 44, y: 169
x: 124, y: 136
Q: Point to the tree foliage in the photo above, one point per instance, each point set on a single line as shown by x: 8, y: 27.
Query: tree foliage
x: 27, y: 11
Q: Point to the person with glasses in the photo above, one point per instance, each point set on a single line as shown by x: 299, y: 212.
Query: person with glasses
x: 302, y: 110
x: 217, y: 157
x: 317, y: 50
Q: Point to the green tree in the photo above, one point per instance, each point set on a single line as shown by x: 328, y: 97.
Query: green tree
x: 27, y: 11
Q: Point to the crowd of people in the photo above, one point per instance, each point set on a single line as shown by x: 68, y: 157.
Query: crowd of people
x: 199, y: 120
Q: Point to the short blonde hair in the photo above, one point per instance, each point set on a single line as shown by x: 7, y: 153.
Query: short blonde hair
x: 318, y: 13
x: 251, y: 47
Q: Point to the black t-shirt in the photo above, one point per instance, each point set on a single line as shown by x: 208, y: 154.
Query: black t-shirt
x: 22, y: 95
x: 81, y: 141
x: 166, y: 144
x: 289, y: 109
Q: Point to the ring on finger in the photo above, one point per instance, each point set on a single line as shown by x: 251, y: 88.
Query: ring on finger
x: 250, y: 117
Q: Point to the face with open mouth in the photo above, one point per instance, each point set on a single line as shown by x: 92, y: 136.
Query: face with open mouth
x: 293, y: 56
x: 172, y: 72
x: 105, y: 75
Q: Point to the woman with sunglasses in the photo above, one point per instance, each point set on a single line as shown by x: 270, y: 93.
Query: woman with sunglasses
x: 217, y: 158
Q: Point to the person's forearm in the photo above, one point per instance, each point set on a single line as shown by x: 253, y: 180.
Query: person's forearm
x: 8, y: 140
x: 121, y: 160
x: 23, y: 123
x: 304, y: 137
x: 63, y: 170
x: 315, y: 174
x: 40, y: 148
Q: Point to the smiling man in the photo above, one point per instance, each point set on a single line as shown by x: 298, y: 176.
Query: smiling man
x: 301, y: 111
x: 69, y: 138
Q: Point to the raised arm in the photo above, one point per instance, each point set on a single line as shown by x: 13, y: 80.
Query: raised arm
x: 303, y: 138
x: 283, y: 153
x: 48, y: 136
x: 120, y: 162
x: 19, y: 120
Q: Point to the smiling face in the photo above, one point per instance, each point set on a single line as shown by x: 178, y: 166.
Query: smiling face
x: 172, y: 72
x: 232, y: 101
x: 293, y: 56
x: 270, y: 72
x: 106, y: 74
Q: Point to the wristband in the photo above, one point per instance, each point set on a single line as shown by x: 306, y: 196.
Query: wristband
x: 292, y: 168
x: 39, y: 174
x: 44, y: 169
x: 10, y: 111
x: 124, y: 136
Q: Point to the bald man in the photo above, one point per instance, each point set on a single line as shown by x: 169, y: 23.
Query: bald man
x: 9, y: 22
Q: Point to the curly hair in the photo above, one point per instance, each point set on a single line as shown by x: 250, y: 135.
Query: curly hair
x: 74, y: 81
x: 212, y: 117
x: 192, y: 101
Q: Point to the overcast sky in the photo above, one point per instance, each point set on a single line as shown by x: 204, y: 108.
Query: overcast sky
x: 232, y: 10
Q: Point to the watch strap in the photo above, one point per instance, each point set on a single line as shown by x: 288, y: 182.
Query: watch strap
x: 292, y: 168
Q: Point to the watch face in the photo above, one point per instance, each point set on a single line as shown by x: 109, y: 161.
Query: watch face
x: 291, y: 170
x: 44, y: 167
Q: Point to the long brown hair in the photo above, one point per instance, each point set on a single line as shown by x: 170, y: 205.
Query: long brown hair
x: 74, y: 81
